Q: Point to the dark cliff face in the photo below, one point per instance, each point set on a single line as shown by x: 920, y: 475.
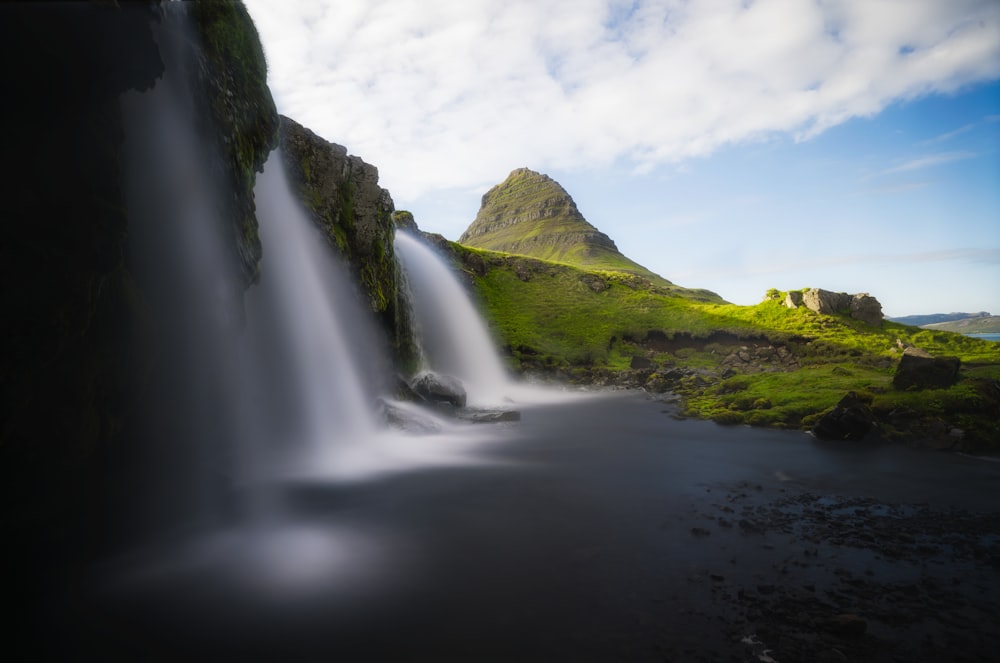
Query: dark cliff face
x: 340, y: 192
x: 80, y: 343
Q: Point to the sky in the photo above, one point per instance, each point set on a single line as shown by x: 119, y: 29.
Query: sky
x: 734, y: 145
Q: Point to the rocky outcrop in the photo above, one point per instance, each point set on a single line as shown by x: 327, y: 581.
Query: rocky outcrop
x: 917, y: 369
x: 341, y: 194
x: 861, y: 306
x: 851, y: 419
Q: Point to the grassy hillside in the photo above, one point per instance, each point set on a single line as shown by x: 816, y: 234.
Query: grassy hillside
x: 762, y: 365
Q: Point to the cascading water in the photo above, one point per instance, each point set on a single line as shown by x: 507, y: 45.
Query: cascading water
x: 305, y: 392
x: 452, y: 336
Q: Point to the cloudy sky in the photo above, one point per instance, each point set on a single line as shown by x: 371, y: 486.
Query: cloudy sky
x: 734, y: 145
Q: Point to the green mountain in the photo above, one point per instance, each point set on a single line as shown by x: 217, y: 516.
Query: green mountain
x: 979, y: 324
x: 935, y: 318
x: 530, y: 214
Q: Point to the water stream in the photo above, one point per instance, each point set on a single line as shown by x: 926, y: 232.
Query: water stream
x: 452, y: 335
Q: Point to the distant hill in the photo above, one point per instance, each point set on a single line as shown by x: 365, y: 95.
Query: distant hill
x: 980, y: 324
x: 530, y: 214
x: 935, y: 318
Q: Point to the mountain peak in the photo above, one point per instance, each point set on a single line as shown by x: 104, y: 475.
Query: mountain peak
x: 531, y: 214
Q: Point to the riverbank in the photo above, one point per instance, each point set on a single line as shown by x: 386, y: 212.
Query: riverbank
x: 601, y: 528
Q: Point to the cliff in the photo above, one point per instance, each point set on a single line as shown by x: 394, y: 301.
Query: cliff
x: 83, y: 334
x: 340, y: 192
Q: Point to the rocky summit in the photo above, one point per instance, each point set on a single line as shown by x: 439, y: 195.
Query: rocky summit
x: 531, y: 214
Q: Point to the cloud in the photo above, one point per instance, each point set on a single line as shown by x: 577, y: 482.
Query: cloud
x: 947, y: 136
x: 929, y: 161
x: 441, y: 94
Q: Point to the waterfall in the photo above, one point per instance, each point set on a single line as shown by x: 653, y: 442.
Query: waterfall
x: 452, y: 336
x: 305, y: 394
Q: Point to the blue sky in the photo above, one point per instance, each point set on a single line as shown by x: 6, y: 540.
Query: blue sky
x: 724, y: 144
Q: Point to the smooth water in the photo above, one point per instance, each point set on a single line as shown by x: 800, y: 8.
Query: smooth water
x: 306, y: 395
x: 452, y: 335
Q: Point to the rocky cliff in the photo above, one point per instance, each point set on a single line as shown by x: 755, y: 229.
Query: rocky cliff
x: 531, y: 214
x: 81, y: 338
x: 340, y: 192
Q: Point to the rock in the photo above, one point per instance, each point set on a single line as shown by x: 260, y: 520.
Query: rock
x: 639, y: 363
x: 847, y: 624
x: 488, y: 416
x: 436, y: 388
x: 825, y: 301
x: 867, y: 309
x: 793, y: 299
x: 851, y: 419
x: 918, y: 370
x: 861, y: 306
x: 831, y: 656
x: 406, y: 419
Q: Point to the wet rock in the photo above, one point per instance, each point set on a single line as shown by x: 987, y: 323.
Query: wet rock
x: 488, y: 416
x: 639, y: 363
x: 437, y: 388
x: 919, y: 370
x: 846, y: 624
x: 851, y: 419
x: 405, y: 419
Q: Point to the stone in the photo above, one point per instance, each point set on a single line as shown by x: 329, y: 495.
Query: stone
x: 640, y: 362
x: 847, y: 624
x: 793, y: 299
x: 825, y: 301
x: 867, y: 309
x: 919, y: 370
x: 851, y: 419
x: 437, y: 388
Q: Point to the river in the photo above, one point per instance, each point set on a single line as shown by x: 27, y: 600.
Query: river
x: 599, y: 528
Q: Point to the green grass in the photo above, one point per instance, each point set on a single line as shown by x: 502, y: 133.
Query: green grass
x: 553, y: 316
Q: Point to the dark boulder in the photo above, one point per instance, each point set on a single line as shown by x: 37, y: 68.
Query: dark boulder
x: 436, y: 388
x: 851, y: 419
x: 919, y: 370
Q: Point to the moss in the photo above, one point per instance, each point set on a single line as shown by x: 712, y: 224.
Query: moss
x: 241, y: 119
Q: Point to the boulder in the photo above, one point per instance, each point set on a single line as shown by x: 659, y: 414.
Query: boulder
x: 919, y: 370
x: 851, y: 419
x: 867, y: 309
x: 793, y: 299
x: 436, y: 388
x: 825, y: 301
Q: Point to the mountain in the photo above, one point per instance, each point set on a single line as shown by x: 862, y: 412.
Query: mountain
x: 935, y: 318
x: 979, y: 324
x: 530, y: 214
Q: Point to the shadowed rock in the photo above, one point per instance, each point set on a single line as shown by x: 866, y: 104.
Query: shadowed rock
x: 919, y: 370
x: 851, y: 419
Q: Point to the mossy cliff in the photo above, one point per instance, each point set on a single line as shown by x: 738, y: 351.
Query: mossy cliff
x: 530, y: 214
x: 340, y: 192
x: 79, y: 350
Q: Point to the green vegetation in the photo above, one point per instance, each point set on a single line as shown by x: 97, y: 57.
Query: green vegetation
x: 763, y: 365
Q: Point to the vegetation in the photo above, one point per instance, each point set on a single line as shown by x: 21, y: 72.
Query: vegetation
x: 989, y: 324
x: 763, y: 365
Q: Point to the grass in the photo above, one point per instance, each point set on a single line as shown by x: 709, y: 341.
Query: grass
x: 551, y: 317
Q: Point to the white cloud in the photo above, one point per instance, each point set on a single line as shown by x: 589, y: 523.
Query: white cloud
x: 442, y: 94
x: 929, y: 161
